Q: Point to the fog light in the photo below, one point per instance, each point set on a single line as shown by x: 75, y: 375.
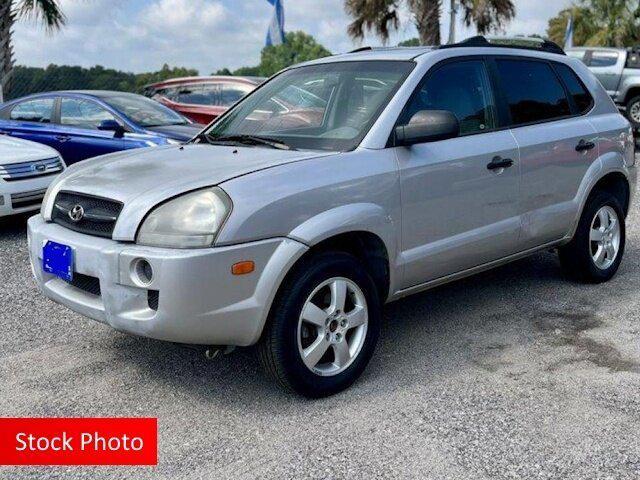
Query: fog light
x: 143, y: 271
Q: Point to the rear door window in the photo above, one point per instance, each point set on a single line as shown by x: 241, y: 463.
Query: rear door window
x: 603, y: 59
x: 532, y: 90
x: 39, y: 110
x: 577, y: 90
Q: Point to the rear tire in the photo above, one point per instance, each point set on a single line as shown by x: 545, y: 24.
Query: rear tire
x: 323, y: 326
x: 595, y: 252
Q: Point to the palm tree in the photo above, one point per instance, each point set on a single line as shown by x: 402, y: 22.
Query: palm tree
x: 381, y: 16
x: 607, y: 23
x: 47, y: 11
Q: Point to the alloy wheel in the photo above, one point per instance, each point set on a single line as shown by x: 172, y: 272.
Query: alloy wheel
x: 604, y: 237
x: 332, y: 326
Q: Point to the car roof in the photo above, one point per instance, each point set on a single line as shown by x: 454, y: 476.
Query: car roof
x: 522, y: 46
x: 606, y: 49
x: 206, y: 79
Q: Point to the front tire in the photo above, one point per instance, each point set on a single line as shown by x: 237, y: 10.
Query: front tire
x: 633, y: 111
x: 595, y: 252
x: 323, y: 326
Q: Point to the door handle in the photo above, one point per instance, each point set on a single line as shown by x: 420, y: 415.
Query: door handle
x: 583, y: 146
x: 63, y: 138
x: 499, y: 162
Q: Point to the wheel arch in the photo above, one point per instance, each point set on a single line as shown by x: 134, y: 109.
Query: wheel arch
x: 603, y: 176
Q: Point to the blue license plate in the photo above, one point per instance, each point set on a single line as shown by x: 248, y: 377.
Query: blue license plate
x: 57, y: 259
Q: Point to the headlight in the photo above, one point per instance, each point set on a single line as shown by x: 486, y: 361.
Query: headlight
x: 171, y: 141
x: 189, y: 221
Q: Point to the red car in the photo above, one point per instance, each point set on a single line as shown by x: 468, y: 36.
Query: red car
x: 202, y: 99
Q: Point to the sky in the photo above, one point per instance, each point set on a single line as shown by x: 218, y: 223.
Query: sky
x: 142, y: 35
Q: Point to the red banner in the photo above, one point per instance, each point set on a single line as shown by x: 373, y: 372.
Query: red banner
x: 78, y: 441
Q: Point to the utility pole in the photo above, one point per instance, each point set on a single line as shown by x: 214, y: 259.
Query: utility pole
x: 452, y: 22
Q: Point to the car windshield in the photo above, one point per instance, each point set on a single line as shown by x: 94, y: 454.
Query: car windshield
x: 145, y: 112
x: 327, y: 107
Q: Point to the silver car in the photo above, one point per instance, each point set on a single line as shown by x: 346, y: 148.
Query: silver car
x: 337, y: 186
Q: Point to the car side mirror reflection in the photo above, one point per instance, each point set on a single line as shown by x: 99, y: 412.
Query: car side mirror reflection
x: 427, y: 126
x: 112, y: 126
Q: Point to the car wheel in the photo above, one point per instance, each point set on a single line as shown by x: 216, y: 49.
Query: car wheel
x: 323, y: 326
x: 595, y: 252
x: 633, y: 111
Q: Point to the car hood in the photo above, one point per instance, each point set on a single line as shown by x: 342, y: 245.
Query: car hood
x: 14, y: 150
x: 178, y: 132
x: 141, y: 179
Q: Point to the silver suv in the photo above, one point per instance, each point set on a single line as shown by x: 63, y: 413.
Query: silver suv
x: 335, y: 187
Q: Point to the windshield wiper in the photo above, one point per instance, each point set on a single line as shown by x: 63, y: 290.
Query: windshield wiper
x: 250, y: 140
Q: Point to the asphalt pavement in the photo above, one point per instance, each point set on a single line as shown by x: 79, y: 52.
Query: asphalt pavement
x: 514, y: 373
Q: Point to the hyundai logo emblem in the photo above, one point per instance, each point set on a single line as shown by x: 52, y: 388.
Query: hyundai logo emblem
x: 76, y: 213
x: 39, y: 167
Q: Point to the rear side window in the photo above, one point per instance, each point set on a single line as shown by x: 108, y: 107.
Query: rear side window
x: 603, y: 59
x: 40, y: 110
x: 577, y: 90
x: 533, y: 91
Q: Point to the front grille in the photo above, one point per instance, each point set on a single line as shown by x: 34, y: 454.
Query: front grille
x: 86, y: 283
x: 27, y: 199
x: 99, y: 215
x: 22, y: 171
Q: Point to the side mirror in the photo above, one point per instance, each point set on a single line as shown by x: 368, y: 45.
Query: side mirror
x: 428, y: 126
x: 112, y: 126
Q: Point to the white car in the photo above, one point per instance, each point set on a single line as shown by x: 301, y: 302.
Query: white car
x: 26, y: 170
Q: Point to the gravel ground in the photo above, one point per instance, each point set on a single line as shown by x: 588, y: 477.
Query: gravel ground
x: 515, y: 373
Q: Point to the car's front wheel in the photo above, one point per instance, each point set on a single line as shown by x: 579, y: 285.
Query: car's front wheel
x: 595, y: 252
x: 323, y: 327
x: 633, y: 111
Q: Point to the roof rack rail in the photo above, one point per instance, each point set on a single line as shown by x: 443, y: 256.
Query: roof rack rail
x: 361, y: 49
x: 480, y: 41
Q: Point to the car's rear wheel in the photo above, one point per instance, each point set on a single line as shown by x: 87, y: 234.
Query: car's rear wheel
x: 595, y: 252
x: 323, y: 327
x: 633, y: 111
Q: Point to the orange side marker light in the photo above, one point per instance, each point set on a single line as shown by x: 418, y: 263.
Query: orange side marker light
x: 243, y: 268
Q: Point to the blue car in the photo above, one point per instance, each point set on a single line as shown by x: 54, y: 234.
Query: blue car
x: 84, y: 124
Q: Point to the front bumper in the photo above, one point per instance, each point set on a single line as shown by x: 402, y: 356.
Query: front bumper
x: 23, y: 195
x: 199, y: 301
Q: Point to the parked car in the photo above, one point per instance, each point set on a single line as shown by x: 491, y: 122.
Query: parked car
x: 428, y: 165
x: 618, y: 70
x: 84, y: 124
x: 26, y: 170
x: 202, y: 99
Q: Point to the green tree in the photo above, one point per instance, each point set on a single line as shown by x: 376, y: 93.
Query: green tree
x: 412, y: 42
x: 165, y: 73
x: 298, y: 47
x: 29, y: 80
x: 382, y: 17
x: 47, y: 11
x: 607, y: 23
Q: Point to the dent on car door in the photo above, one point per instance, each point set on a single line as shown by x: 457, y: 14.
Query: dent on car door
x: 33, y: 120
x: 458, y: 212
x: 557, y: 145
x: 80, y: 119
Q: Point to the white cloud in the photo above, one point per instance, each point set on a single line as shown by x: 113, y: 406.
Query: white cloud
x: 208, y: 34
